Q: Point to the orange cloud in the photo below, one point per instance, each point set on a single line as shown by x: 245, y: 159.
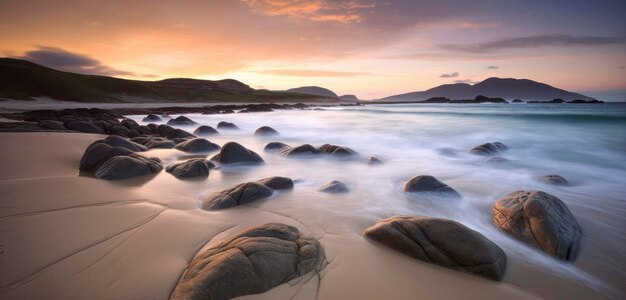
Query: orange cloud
x: 314, y: 10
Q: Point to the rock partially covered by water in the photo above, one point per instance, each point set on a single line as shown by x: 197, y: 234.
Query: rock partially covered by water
x: 191, y: 168
x: 305, y: 149
x: 429, y: 184
x: 266, y: 131
x: 251, y: 262
x: 374, y: 161
x: 335, y: 187
x: 152, y: 118
x: 337, y: 150
x: 232, y: 153
x: 205, y: 130
x: 181, y: 121
x: 488, y: 149
x: 226, y: 125
x: 277, y: 182
x: 154, y: 142
x: 276, y: 147
x: 541, y: 220
x: 442, y: 242
x: 554, y: 179
x: 123, y: 167
x: 496, y: 160
x: 197, y: 145
x: 237, y: 195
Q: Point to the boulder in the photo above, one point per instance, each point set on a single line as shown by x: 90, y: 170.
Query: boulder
x: 276, y: 147
x: 337, y: 150
x: 118, y: 141
x: 539, y: 219
x: 197, y: 145
x: 305, y: 149
x: 123, y: 167
x: 266, y: 131
x: 83, y: 126
x: 205, y: 130
x: 335, y: 187
x: 236, y: 195
x: 119, y: 130
x: 190, y: 168
x: 554, y: 179
x: 250, y: 262
x: 179, y: 134
x: 488, y: 149
x: 373, y: 161
x: 152, y: 118
x: 429, y: 184
x: 442, y: 242
x: 96, y: 154
x: 235, y: 153
x: 277, y: 182
x: 153, y: 142
x: 226, y: 125
x: 181, y: 121
x: 129, y: 123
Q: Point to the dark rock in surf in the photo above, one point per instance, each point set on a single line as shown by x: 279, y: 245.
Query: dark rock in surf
x: 373, y: 161
x: 554, y: 179
x: 488, y: 149
x: 152, y: 118
x: 181, y: 121
x: 277, y: 182
x: 205, y: 130
x: 338, y: 151
x: 197, y: 145
x: 335, y: 187
x: 429, y: 184
x: 191, y: 168
x: 235, y: 153
x: 266, y: 131
x: 237, y: 195
x: 227, y: 125
x: 276, y: 147
x: 305, y: 149
x: 123, y: 167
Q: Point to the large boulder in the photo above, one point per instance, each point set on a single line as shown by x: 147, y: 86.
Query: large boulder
x: 181, y: 121
x: 335, y: 187
x: 226, y: 125
x: 205, y: 130
x: 190, y: 168
x: 276, y: 147
x: 337, y: 150
x: 152, y: 118
x: 197, y: 145
x: 554, y: 179
x: 541, y: 220
x: 179, y: 134
x: 429, y: 184
x: 123, y: 167
x: 305, y: 149
x: 488, y: 149
x: 118, y: 141
x: 251, y: 262
x: 237, y: 195
x: 442, y: 242
x: 235, y: 153
x: 266, y: 131
x: 277, y: 182
x: 97, y: 153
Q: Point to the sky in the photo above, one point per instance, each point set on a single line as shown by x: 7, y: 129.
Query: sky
x: 369, y: 48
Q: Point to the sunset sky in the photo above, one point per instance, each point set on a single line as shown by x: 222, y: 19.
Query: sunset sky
x: 368, y: 48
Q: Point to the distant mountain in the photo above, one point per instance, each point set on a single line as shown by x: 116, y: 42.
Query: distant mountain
x: 314, y: 90
x: 349, y: 98
x: 507, y: 88
x: 24, y: 80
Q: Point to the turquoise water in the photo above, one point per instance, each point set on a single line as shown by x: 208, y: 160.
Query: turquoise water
x: 586, y: 144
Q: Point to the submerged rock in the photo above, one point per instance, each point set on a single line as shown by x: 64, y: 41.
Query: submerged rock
x: 197, y: 145
x: 266, y: 131
x: 488, y: 149
x: 205, y: 130
x: 496, y: 160
x: 226, y: 125
x: 152, y: 118
x: 335, y: 187
x: 181, y: 121
x: 373, y: 161
x: 429, y: 184
x: 305, y: 149
x: 554, y: 179
x: 237, y: 195
x: 123, y: 167
x: 337, y: 150
x: 251, y: 262
x: 541, y: 220
x: 442, y: 242
x: 235, y: 153
x: 276, y: 147
x: 190, y: 168
x: 277, y: 182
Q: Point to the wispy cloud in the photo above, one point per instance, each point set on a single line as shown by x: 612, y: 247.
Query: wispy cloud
x: 310, y: 73
x: 64, y: 60
x: 493, y: 67
x: 348, y: 11
x: 468, y: 81
x: 476, y: 25
x: 451, y: 75
x: 560, y: 40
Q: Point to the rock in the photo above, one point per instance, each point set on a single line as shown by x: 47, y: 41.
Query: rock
x: 190, y: 168
x: 251, y: 262
x: 118, y: 141
x: 305, y: 149
x: 181, y: 121
x: 50, y: 124
x: 226, y: 125
x: 145, y: 130
x: 337, y: 150
x: 554, y: 179
x: 442, y: 242
x: 235, y: 153
x: 496, y: 160
x: 179, y: 134
x: 197, y: 145
x: 372, y: 161
x: 83, y: 126
x: 266, y: 131
x: 276, y: 147
x: 541, y: 220
x: 205, y: 130
x: 123, y: 167
x: 237, y: 195
x: 335, y: 187
x: 152, y: 118
x: 119, y: 130
x: 429, y: 184
x: 97, y: 153
x: 488, y: 149
x: 129, y: 123
x: 277, y: 182
x: 164, y: 130
x: 154, y: 142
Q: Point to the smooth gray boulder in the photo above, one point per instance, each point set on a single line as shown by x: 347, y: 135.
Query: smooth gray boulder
x: 152, y: 118
x: 191, y: 168
x: 335, y: 187
x: 305, y: 149
x: 96, y: 154
x: 236, y: 195
x: 123, y: 167
x: 197, y: 145
x: 118, y: 141
x: 227, y: 125
x: 205, y: 130
x: 277, y: 182
x: 488, y: 149
x: 232, y: 153
x: 337, y: 150
x: 429, y: 184
x: 554, y: 179
x: 276, y: 147
x: 541, y: 220
x: 181, y: 121
x: 250, y: 262
x: 442, y: 242
x: 266, y: 131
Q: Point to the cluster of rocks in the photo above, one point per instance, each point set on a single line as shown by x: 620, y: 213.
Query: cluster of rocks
x: 308, y: 150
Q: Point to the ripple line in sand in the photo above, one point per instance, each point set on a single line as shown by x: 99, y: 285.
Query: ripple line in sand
x: 99, y: 204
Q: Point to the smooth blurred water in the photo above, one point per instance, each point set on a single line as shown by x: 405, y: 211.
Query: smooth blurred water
x: 584, y: 143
